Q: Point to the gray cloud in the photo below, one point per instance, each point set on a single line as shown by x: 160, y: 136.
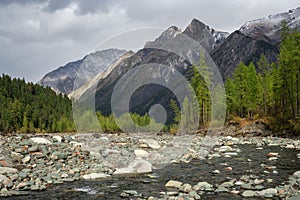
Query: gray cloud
x: 37, y: 36
x: 54, y: 5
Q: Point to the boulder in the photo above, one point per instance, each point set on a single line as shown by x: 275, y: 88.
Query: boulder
x: 141, y: 166
x: 248, y: 193
x: 57, y: 138
x: 297, y: 174
x: 138, y: 166
x: 141, y: 153
x: 95, y: 176
x: 173, y: 184
x: 153, y: 144
x: 40, y: 140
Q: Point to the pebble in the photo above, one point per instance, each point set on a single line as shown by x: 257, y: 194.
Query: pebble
x: 273, y: 158
x: 173, y: 184
x: 151, y: 143
x: 269, y: 191
x: 57, y: 138
x: 8, y: 170
x: 230, y: 154
x: 296, y: 197
x: 216, y: 171
x: 225, y: 149
x: 203, y: 186
x: 95, y: 176
x: 247, y: 186
x: 258, y: 181
x: 290, y: 146
x: 3, y: 178
x: 239, y: 183
x: 269, y: 180
x: 125, y: 170
x: 221, y: 189
x: 131, y: 192
x: 227, y: 184
x: 228, y: 168
x: 272, y: 154
x: 186, y: 188
x: 33, y: 148
x: 26, y: 159
x: 248, y: 193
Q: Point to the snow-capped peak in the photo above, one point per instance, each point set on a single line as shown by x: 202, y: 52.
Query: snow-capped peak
x: 270, y: 26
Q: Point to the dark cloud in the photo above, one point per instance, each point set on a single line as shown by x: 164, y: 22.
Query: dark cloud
x: 54, y: 5
x: 21, y: 2
x: 95, y: 6
x: 37, y: 36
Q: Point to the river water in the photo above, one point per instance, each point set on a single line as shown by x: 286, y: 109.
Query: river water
x: 247, y: 162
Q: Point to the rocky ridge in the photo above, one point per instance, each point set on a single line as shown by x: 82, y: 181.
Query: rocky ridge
x: 75, y: 74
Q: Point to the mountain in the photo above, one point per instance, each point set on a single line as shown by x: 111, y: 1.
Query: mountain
x: 180, y: 50
x: 173, y: 48
x: 268, y: 28
x: 89, y: 88
x: 147, y: 95
x: 256, y: 37
x: 207, y: 37
x: 62, y: 80
x: 241, y: 48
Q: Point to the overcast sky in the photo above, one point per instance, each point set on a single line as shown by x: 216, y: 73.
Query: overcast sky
x: 38, y: 36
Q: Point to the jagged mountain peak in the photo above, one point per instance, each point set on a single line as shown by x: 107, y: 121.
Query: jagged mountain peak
x: 268, y: 28
x: 198, y: 31
x: 74, y: 74
x: 196, y: 25
x: 164, y: 37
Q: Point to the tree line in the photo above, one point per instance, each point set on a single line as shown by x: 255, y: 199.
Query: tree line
x: 272, y: 91
x: 27, y: 107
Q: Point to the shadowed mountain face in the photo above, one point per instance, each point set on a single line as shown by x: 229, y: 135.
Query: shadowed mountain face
x: 146, y: 95
x: 62, y: 79
x: 240, y: 48
x: 256, y: 37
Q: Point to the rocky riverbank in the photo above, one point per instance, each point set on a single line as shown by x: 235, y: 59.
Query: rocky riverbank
x: 35, y: 162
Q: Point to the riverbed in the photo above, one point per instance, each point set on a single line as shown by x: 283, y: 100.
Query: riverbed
x: 233, y: 168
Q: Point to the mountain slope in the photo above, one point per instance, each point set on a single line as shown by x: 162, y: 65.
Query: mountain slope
x: 89, y: 88
x: 256, y: 37
x: 239, y: 47
x: 268, y: 28
x: 62, y: 79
